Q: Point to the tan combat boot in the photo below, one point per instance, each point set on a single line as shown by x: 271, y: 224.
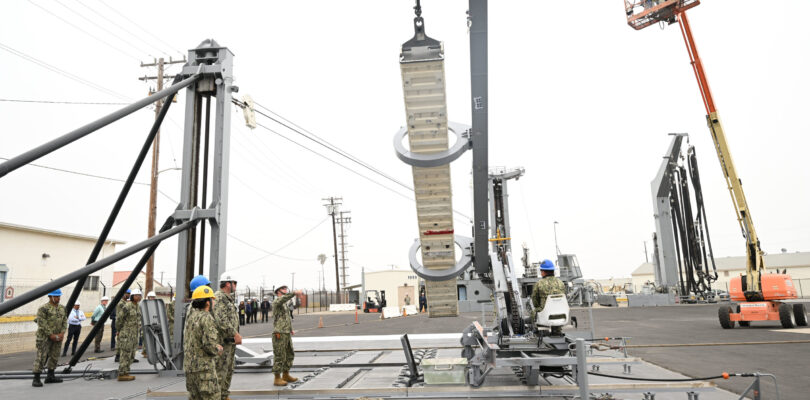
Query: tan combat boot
x: 288, y: 378
x: 278, y: 381
x: 124, y: 378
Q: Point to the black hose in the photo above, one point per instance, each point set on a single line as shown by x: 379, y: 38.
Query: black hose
x: 656, y: 379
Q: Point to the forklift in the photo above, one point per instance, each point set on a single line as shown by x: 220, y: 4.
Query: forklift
x: 759, y: 296
x: 374, y: 302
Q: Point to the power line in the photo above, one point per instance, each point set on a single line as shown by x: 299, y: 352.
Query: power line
x: 88, y: 175
x: 119, y: 26
x: 141, y: 28
x: 311, y: 136
x: 342, y: 153
x: 103, y: 28
x: 274, y: 253
x: 64, y: 73
x: 64, y: 102
x: 118, y: 49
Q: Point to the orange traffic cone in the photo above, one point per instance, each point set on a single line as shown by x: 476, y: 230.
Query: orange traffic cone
x: 320, y: 322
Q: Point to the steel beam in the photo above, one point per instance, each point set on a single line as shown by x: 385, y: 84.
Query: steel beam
x: 85, y: 130
x: 479, y: 132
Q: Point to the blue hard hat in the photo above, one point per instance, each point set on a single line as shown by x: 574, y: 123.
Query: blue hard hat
x: 129, y: 291
x: 57, y: 292
x: 547, y: 265
x: 198, y: 281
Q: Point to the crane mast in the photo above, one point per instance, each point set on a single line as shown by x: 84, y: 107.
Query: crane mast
x: 755, y: 264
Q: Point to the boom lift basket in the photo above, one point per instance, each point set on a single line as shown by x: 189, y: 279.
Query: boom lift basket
x: 643, y: 13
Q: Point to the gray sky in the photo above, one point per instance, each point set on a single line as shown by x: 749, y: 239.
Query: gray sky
x: 578, y: 98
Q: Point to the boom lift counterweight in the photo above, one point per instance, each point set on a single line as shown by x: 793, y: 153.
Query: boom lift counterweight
x: 759, y: 302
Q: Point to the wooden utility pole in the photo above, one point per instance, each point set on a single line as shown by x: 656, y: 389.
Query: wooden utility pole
x: 159, y: 63
x: 332, y: 206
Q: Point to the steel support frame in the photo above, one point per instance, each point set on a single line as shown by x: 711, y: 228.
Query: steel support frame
x: 477, y: 15
x: 215, y: 64
x: 665, y: 261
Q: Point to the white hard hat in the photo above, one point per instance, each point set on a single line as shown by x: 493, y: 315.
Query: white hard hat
x: 136, y: 292
x: 151, y: 294
x: 226, y: 277
x: 105, y: 298
x: 77, y: 303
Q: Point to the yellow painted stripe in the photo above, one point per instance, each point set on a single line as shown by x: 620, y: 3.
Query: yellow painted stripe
x: 26, y: 318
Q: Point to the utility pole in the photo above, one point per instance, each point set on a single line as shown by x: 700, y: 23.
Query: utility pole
x: 343, y: 220
x: 332, y: 206
x: 159, y: 63
x: 557, y: 248
x: 646, y: 258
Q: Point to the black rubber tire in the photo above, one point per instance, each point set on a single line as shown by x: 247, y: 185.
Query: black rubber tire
x: 723, y: 314
x: 786, y: 316
x: 800, y: 314
x: 745, y: 324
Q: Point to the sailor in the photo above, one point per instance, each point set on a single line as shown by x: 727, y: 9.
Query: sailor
x: 74, y: 328
x: 226, y: 317
x: 51, y: 324
x: 129, y: 322
x: 201, y: 347
x: 283, y: 353
x: 547, y: 285
x: 115, y: 315
x: 94, y: 320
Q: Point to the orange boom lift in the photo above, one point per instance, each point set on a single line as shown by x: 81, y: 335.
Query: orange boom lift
x: 760, y: 296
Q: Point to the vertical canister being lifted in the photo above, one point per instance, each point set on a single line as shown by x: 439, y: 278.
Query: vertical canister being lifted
x: 423, y: 84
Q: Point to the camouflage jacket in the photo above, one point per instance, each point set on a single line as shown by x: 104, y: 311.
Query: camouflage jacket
x: 226, y: 316
x: 50, y: 320
x: 128, y: 320
x: 170, y: 311
x: 545, y: 287
x: 282, y: 323
x: 200, y: 342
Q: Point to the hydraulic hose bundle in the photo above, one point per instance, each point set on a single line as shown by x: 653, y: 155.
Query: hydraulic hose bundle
x: 696, y: 266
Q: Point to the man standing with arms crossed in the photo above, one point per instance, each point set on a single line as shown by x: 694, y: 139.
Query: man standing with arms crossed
x: 226, y: 316
x: 283, y: 353
x: 51, y: 324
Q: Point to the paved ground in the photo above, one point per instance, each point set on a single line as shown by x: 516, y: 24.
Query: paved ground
x: 647, y: 326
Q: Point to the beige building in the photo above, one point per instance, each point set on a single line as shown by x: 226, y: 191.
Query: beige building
x: 396, y: 283
x: 797, y: 265
x: 30, y: 257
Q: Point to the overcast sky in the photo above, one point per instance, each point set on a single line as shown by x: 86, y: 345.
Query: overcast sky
x: 578, y: 98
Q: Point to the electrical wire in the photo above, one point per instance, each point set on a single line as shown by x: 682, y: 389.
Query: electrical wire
x: 141, y: 28
x: 65, y: 102
x: 289, y: 125
x: 67, y: 171
x: 116, y: 48
x: 119, y: 26
x: 104, y: 29
x: 274, y: 253
x: 630, y: 378
x: 63, y: 72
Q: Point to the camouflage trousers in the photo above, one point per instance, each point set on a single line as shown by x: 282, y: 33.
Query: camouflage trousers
x: 202, y: 385
x: 225, y: 368
x: 283, y: 353
x: 126, y: 351
x: 47, y: 354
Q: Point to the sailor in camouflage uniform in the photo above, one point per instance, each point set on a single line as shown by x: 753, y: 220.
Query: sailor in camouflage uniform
x: 128, y: 326
x: 51, y: 325
x: 201, y: 347
x: 115, y: 315
x: 226, y: 316
x: 283, y: 353
x: 545, y: 287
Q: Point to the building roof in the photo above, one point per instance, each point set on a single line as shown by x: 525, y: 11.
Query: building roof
x: 120, y: 276
x: 56, y: 233
x: 781, y: 260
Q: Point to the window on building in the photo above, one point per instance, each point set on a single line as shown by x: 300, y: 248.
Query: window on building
x: 91, y: 283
